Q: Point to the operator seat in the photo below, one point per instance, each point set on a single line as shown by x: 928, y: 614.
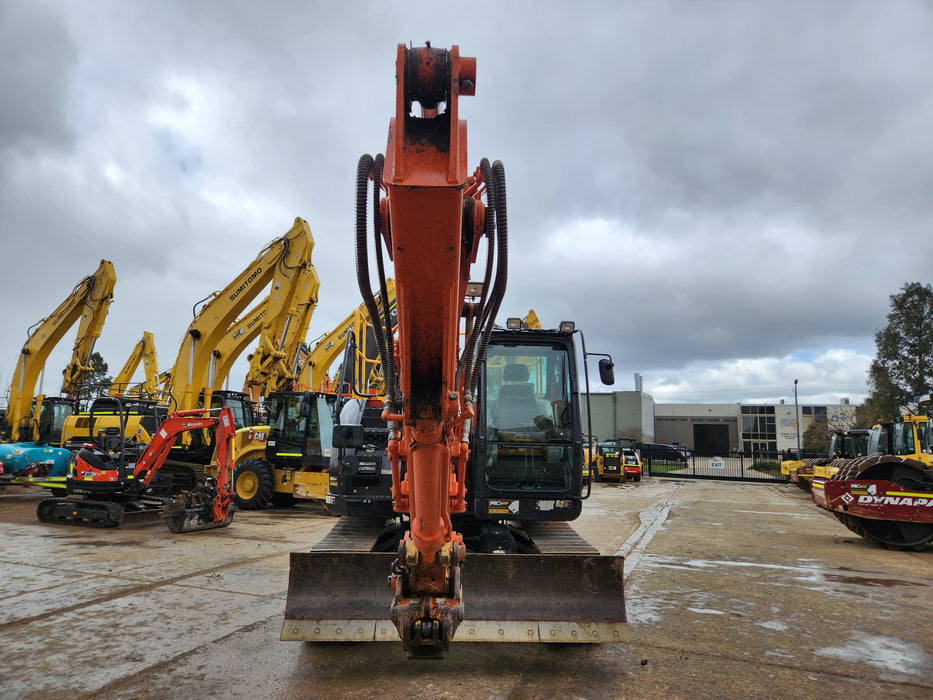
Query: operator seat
x: 517, y: 404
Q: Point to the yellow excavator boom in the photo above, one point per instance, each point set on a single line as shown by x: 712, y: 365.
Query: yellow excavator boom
x: 273, y: 365
x: 89, y: 301
x: 94, y: 306
x: 314, y: 371
x: 144, y: 351
x: 195, y: 370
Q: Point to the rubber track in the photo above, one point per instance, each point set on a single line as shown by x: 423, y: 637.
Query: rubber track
x: 351, y: 535
x: 557, y: 537
x: 70, y: 511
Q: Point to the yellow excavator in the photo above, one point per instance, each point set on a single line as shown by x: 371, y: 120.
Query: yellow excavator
x: 143, y: 352
x: 214, y: 340
x: 33, y: 423
x: 314, y: 371
x: 289, y: 458
x: 281, y: 263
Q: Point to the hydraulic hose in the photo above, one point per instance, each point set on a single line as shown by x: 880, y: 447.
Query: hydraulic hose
x: 502, y: 265
x: 363, y: 171
x: 386, y: 350
x: 467, y: 365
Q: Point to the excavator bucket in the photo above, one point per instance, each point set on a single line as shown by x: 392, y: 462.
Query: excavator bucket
x: 190, y: 518
x: 344, y: 596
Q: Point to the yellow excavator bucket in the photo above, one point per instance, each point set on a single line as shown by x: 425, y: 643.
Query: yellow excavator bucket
x: 344, y: 596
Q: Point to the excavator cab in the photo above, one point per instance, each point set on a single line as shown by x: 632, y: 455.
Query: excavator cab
x: 138, y: 418
x: 52, y: 415
x: 360, y: 476
x: 238, y: 402
x: 529, y: 445
x: 296, y: 456
x: 300, y: 430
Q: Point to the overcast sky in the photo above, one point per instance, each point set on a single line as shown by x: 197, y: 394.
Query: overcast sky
x: 723, y: 195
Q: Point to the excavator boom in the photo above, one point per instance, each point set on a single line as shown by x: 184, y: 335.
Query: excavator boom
x: 273, y: 365
x: 433, y: 217
x: 94, y: 309
x: 144, y: 351
x: 314, y: 371
x: 194, y: 373
x: 89, y: 301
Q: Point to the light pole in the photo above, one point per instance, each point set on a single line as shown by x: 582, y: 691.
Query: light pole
x: 797, y: 411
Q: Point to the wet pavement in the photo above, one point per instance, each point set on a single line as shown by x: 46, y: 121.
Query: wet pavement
x: 732, y: 590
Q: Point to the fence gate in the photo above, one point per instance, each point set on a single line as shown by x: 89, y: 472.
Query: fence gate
x: 764, y: 467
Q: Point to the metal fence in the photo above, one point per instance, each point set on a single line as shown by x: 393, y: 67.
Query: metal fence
x: 764, y: 467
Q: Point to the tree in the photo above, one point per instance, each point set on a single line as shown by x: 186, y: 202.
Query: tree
x: 902, y: 369
x: 866, y: 415
x: 815, y: 438
x: 96, y: 381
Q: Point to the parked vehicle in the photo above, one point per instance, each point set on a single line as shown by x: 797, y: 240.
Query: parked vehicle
x: 631, y: 465
x: 655, y: 452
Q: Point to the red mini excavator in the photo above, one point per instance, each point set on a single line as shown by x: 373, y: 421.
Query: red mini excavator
x: 115, y: 482
x: 452, y: 471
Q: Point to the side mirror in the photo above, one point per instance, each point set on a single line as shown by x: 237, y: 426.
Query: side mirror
x: 607, y: 374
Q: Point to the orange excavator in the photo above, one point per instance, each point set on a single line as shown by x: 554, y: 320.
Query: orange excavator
x: 116, y: 482
x: 433, y: 218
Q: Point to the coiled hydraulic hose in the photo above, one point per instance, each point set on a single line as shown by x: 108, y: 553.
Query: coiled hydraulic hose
x: 466, y: 365
x: 389, y: 369
x: 364, y: 171
x: 502, y: 262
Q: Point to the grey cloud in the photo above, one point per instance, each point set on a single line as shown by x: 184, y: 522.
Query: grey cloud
x: 774, y: 156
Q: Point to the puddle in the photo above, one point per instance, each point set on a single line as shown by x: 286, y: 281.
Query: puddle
x: 775, y: 625
x: 890, y: 654
x: 864, y: 581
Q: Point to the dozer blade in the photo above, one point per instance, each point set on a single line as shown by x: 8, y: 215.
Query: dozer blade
x: 180, y: 518
x: 344, y: 596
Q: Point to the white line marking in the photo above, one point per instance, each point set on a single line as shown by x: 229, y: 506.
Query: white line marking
x: 651, y: 521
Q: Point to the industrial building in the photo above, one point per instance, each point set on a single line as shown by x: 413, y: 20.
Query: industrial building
x: 710, y: 428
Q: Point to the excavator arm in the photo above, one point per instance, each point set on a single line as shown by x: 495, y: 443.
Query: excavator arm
x: 89, y: 301
x: 94, y: 307
x: 210, y: 505
x: 534, y: 580
x: 432, y: 219
x: 329, y: 347
x: 281, y: 262
x: 273, y: 365
x: 144, y: 351
x: 177, y: 423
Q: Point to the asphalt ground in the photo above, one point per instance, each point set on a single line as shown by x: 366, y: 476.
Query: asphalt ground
x: 732, y: 591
